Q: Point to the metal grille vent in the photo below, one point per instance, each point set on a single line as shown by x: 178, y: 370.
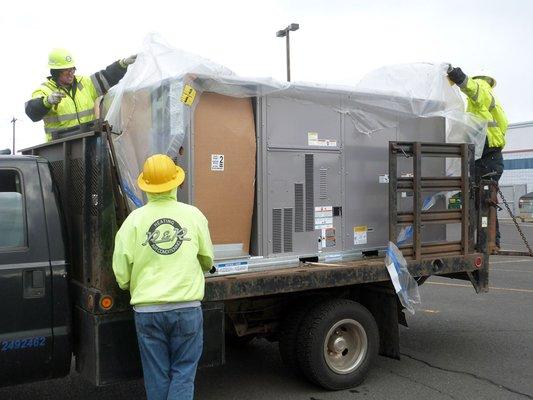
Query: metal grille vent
x: 76, y: 185
x: 276, y: 230
x: 57, y: 172
x: 309, y: 193
x: 287, y: 230
x: 298, y: 207
x: 95, y: 193
x: 323, y: 183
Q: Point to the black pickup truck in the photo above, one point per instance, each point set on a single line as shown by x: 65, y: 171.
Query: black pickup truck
x: 60, y: 207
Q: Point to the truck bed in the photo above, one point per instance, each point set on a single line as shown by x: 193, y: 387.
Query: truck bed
x: 313, y: 275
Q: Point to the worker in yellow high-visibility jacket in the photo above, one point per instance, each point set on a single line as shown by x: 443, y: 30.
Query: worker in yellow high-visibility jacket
x: 65, y: 100
x: 161, y: 253
x: 483, y: 103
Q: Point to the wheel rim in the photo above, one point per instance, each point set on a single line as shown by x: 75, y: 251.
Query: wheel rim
x: 345, y: 346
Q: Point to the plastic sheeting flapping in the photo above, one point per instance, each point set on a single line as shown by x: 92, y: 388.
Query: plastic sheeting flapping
x: 153, y: 105
x: 404, y: 284
x: 426, y: 92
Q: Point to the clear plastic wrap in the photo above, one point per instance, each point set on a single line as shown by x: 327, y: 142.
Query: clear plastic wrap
x: 404, y: 284
x: 425, y: 92
x: 152, y: 107
x: 406, y: 233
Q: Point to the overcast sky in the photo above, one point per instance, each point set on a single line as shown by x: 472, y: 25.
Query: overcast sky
x: 338, y: 41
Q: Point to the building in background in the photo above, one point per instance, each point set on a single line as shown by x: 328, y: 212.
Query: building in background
x: 517, y: 178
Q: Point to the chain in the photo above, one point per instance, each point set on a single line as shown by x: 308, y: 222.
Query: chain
x: 515, y: 222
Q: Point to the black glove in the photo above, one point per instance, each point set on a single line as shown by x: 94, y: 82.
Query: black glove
x: 456, y: 75
x: 212, y: 270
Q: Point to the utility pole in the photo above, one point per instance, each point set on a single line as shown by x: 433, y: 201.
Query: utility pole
x: 13, y: 121
x: 285, y: 33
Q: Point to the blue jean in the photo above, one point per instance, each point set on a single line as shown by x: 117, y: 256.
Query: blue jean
x: 170, y: 343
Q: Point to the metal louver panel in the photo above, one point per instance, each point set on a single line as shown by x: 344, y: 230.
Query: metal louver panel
x: 309, y: 193
x: 287, y: 230
x: 298, y: 207
x: 323, y: 183
x: 276, y: 230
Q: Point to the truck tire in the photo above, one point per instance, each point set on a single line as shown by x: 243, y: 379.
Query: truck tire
x: 288, y: 335
x: 338, y: 341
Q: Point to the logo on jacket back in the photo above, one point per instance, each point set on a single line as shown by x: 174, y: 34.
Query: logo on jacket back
x: 165, y: 236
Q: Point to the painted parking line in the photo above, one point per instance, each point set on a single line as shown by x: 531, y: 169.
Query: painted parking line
x: 429, y: 311
x: 512, y: 261
x: 490, y: 287
x: 509, y: 270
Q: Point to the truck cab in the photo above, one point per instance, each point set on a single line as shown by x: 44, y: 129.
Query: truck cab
x: 35, y: 325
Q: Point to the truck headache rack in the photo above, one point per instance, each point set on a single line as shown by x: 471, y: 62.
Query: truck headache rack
x: 417, y: 184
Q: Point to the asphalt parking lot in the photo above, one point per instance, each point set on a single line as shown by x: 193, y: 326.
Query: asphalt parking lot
x: 459, y: 345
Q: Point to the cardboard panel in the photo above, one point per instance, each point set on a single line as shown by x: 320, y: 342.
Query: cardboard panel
x: 224, y: 166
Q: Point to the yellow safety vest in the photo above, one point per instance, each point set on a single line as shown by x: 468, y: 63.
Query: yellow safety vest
x: 482, y: 103
x: 73, y: 110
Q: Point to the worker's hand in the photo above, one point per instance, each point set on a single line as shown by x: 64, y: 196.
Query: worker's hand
x: 128, y: 61
x: 456, y: 75
x: 55, y: 98
x: 212, y: 270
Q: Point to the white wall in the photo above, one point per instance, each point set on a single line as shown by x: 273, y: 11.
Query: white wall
x: 519, y: 137
x: 519, y: 144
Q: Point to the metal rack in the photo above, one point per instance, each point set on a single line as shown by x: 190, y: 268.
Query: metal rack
x: 418, y: 184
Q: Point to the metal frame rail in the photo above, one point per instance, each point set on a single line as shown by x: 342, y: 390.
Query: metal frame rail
x: 418, y: 184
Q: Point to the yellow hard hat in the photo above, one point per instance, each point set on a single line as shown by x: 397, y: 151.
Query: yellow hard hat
x: 486, y: 76
x: 160, y: 174
x: 60, y: 59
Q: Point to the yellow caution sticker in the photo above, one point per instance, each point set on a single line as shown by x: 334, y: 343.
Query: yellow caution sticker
x: 360, y: 234
x: 188, y: 95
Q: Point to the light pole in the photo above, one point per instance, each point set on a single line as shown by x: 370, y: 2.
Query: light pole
x: 13, y: 121
x: 285, y: 33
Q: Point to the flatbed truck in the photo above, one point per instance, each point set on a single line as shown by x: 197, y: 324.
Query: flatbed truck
x: 61, y: 204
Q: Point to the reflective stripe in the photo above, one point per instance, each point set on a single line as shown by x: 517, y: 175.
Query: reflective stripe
x: 96, y: 84
x: 492, y: 102
x: 51, y: 120
x: 477, y: 92
x: 492, y: 124
x: 68, y: 117
x: 60, y: 118
x: 85, y: 113
x: 80, y: 86
x: 105, y: 82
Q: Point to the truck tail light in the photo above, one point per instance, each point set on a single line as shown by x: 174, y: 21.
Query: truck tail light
x: 106, y: 302
x: 478, y: 262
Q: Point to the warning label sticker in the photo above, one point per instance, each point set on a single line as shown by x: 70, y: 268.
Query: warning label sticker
x: 324, y: 217
x: 329, y: 236
x: 360, y: 234
x: 217, y: 162
x: 383, y: 178
x: 313, y: 140
x: 188, y: 95
x: 232, y: 267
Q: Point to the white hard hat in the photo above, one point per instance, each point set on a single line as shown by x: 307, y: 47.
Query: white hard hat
x: 487, y: 76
